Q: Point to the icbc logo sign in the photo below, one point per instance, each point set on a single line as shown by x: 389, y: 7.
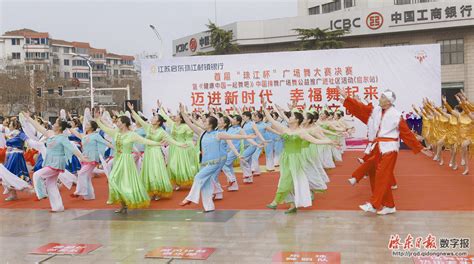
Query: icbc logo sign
x: 193, y: 45
x: 374, y: 20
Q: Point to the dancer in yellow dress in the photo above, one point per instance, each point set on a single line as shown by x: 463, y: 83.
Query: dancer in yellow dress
x: 466, y: 129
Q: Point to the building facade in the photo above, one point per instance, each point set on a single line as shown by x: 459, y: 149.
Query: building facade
x: 370, y: 23
x: 49, y: 63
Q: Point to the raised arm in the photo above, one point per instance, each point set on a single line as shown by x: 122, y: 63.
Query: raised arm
x: 141, y: 140
x: 163, y: 113
x: 226, y: 136
x: 251, y: 141
x: 304, y: 135
x: 418, y: 112
x: 275, y: 124
x: 170, y: 140
x: 281, y: 113
x: 197, y: 130
x: 274, y: 131
x: 447, y: 106
x: 233, y: 149
x: 36, y: 125
x: 137, y: 117
x: 357, y: 108
x: 237, y: 109
x: 72, y: 149
x: 103, y: 141
x: 257, y: 132
x: 317, y: 133
x: 199, y: 123
x: 76, y: 133
x: 410, y: 139
x: 109, y: 131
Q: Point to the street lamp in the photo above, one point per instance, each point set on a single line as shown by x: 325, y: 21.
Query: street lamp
x: 89, y: 63
x: 159, y: 38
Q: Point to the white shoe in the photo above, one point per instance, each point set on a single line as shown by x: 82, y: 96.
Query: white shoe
x: 387, y: 210
x: 248, y: 179
x: 361, y: 161
x: 233, y: 187
x: 11, y: 198
x: 463, y: 162
x: 365, y: 177
x: 394, y: 187
x: 218, y: 196
x: 367, y: 207
x: 352, y: 181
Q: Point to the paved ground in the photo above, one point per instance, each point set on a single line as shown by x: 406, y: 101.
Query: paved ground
x: 240, y: 236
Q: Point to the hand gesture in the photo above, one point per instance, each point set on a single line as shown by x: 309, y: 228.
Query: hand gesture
x: 130, y: 106
x: 96, y: 113
x: 158, y: 103
x: 343, y: 94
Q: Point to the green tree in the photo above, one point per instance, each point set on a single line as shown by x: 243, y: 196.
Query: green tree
x: 221, y: 41
x: 316, y: 38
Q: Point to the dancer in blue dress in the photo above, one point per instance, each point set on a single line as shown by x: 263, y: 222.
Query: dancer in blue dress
x: 15, y: 161
x: 211, y: 159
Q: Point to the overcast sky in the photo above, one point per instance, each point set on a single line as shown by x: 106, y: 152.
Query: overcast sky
x: 122, y: 26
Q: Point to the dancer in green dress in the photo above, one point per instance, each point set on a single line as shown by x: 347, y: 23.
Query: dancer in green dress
x: 154, y: 173
x: 125, y: 186
x: 293, y: 185
x: 183, y: 163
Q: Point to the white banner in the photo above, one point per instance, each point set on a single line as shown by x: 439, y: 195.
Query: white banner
x: 310, y: 78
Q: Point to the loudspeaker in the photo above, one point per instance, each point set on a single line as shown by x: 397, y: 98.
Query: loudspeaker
x: 135, y: 103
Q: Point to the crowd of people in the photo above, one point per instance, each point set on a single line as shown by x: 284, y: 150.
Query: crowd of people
x: 447, y: 128
x: 146, y: 159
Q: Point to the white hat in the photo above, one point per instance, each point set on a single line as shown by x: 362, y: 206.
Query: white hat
x: 390, y: 95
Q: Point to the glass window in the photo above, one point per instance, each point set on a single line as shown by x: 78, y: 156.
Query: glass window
x: 314, y: 10
x: 452, y: 51
x: 349, y: 3
x: 66, y: 62
x: 15, y: 41
x: 16, y: 55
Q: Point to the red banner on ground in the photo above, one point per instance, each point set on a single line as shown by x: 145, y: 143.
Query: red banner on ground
x: 181, y: 253
x: 66, y: 249
x: 443, y: 260
x: 307, y: 257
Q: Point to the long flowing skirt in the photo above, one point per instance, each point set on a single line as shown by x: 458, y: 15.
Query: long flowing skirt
x: 125, y: 185
x: 293, y: 181
x: 318, y: 161
x: 313, y: 172
x: 16, y: 164
x: 154, y: 173
x: 183, y: 164
x: 325, y: 155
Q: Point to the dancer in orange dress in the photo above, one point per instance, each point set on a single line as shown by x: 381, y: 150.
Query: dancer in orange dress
x: 385, y: 128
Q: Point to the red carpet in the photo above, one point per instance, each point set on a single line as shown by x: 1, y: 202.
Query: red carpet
x: 423, y: 185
